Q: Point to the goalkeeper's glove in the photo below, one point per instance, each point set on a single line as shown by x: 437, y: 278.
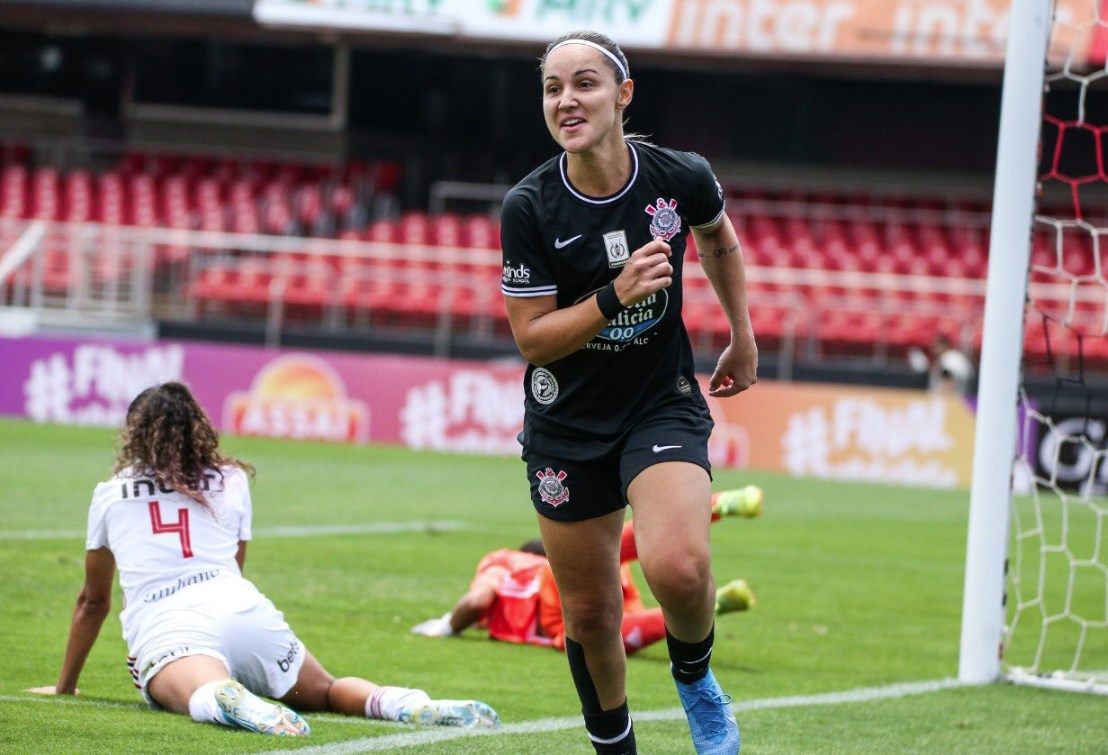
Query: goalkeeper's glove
x: 439, y: 627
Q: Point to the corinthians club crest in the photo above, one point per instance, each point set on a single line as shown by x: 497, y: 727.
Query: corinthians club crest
x: 665, y: 223
x: 551, y: 489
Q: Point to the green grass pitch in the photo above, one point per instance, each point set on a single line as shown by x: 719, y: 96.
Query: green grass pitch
x: 859, y: 586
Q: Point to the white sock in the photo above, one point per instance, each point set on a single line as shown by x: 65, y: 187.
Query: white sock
x: 386, y: 702
x: 204, y: 708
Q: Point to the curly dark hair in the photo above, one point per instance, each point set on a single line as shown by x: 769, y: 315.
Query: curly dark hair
x: 168, y: 436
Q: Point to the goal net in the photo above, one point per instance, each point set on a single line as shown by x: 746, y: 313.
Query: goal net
x: 1054, y: 630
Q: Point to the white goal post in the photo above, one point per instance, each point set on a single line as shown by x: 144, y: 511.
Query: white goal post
x: 1002, y: 344
x: 1035, y: 606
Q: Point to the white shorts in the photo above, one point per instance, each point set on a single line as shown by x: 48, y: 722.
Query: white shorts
x: 227, y: 619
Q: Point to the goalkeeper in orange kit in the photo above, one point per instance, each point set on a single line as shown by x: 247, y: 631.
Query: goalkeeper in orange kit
x: 513, y: 592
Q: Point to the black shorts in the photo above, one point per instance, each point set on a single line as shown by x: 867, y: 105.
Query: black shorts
x: 571, y: 490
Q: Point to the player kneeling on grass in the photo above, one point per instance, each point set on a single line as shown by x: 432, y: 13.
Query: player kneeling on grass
x: 514, y: 595
x: 203, y: 641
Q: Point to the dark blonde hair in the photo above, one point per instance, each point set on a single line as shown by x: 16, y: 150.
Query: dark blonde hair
x: 168, y: 436
x: 597, y: 39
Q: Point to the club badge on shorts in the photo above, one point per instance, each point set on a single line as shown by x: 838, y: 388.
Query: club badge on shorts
x: 665, y: 222
x: 551, y: 488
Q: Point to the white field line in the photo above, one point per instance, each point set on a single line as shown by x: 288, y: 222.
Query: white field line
x: 424, y: 737
x: 322, y: 530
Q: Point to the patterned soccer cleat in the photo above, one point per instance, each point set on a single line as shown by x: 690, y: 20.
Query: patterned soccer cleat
x: 714, y: 728
x: 241, y: 707
x: 745, y: 502
x: 734, y: 596
x: 468, y: 714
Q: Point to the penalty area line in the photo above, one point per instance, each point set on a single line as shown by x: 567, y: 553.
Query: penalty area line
x: 320, y: 530
x: 425, y: 737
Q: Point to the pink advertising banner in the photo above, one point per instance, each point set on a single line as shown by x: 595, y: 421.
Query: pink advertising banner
x: 806, y: 430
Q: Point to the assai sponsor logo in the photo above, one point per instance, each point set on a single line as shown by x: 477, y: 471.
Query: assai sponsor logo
x: 297, y: 396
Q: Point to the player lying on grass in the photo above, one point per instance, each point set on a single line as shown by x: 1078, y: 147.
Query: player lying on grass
x: 202, y: 640
x: 513, y: 592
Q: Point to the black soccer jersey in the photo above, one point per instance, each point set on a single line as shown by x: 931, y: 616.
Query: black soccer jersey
x: 558, y: 241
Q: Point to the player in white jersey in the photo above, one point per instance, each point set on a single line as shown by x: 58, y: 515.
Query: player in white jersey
x: 203, y: 641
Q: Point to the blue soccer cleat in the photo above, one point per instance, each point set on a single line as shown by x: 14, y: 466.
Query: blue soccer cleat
x: 241, y: 707
x: 708, y: 709
x: 468, y: 714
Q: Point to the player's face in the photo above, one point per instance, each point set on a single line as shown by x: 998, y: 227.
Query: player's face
x: 581, y: 100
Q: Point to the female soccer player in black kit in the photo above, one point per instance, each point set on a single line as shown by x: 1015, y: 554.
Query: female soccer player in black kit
x: 594, y: 241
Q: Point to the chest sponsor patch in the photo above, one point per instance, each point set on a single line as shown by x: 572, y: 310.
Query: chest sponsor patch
x: 636, y: 319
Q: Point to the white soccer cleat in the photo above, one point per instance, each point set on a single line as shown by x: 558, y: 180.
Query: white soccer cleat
x: 241, y: 707
x: 468, y: 714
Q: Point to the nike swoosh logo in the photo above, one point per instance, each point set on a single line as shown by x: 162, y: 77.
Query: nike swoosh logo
x: 657, y: 449
x: 559, y: 244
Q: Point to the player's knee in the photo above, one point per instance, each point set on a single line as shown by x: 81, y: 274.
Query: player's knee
x: 589, y: 619
x: 681, y: 580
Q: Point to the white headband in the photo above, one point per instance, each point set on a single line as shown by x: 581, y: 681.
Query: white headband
x: 619, y: 63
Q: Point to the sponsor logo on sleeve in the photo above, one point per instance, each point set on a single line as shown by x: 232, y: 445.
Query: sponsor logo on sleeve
x: 519, y: 275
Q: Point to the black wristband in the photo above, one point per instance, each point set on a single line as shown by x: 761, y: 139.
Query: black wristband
x: 608, y: 302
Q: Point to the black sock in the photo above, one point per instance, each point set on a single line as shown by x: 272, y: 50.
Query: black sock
x: 690, y: 660
x: 610, y: 731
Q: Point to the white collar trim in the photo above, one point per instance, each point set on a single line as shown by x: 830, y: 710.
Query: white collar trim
x: 606, y: 200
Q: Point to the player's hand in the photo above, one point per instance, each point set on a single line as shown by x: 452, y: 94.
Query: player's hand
x: 737, y: 368
x: 51, y: 690
x: 439, y: 627
x: 647, y: 271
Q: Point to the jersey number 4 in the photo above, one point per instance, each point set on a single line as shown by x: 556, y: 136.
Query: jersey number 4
x: 181, y: 527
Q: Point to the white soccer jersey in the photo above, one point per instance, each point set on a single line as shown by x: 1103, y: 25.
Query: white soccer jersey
x: 163, y: 541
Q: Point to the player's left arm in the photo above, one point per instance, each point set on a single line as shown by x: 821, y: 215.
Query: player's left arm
x: 721, y: 257
x: 93, y: 605
x: 240, y: 555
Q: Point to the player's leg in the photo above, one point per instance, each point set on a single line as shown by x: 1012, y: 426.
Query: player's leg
x: 317, y: 690
x: 201, y: 686
x: 669, y: 503
x: 671, y: 528
x: 174, y: 685
x: 584, y: 557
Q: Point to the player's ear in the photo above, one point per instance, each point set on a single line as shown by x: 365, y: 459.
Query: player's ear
x: 626, y: 92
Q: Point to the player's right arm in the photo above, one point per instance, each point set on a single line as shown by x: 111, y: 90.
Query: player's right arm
x: 93, y: 605
x: 471, y: 607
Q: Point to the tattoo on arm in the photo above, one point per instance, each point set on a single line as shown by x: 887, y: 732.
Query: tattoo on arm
x: 722, y: 251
